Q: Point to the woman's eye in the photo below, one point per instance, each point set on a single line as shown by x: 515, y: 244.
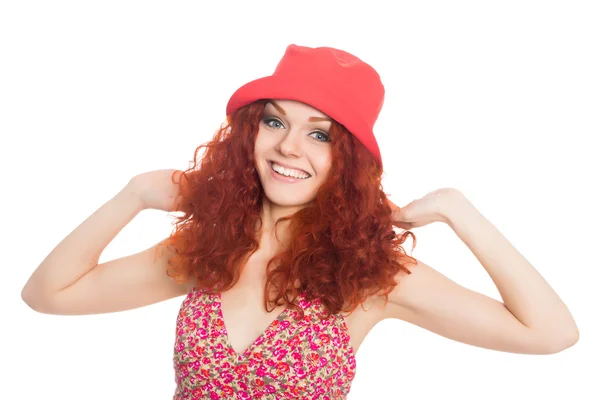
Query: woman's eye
x: 273, y: 123
x: 321, y: 136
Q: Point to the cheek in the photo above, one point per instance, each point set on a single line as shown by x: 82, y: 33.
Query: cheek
x: 324, y: 165
x: 259, y: 145
x: 263, y: 142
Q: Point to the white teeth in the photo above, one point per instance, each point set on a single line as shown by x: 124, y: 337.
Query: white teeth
x: 288, y: 172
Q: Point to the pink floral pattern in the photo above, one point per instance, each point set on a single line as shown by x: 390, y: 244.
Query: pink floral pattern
x: 292, y: 359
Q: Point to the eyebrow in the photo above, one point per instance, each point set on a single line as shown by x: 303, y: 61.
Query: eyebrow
x: 282, y: 111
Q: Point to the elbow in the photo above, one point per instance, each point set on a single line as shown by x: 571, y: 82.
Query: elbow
x: 35, y: 301
x: 29, y: 299
x: 27, y: 296
x: 562, y: 342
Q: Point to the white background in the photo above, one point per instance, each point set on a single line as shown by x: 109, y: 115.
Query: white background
x: 498, y: 99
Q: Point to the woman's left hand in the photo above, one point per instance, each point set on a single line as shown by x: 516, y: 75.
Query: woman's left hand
x: 433, y: 207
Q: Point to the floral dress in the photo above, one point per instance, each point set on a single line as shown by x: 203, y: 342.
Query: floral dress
x: 291, y: 359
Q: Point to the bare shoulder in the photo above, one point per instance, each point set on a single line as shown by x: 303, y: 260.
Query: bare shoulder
x: 121, y: 284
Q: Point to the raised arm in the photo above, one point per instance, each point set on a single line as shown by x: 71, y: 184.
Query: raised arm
x: 532, y: 319
x: 70, y: 280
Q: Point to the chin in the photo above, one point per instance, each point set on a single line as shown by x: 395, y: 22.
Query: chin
x: 287, y: 197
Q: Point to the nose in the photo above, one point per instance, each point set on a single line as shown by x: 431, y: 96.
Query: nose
x: 290, y: 145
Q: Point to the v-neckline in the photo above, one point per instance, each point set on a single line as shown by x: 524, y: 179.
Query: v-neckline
x: 261, y: 338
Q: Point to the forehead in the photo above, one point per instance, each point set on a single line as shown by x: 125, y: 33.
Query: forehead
x: 293, y: 106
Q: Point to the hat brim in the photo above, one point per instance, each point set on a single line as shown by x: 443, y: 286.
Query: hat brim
x: 319, y: 96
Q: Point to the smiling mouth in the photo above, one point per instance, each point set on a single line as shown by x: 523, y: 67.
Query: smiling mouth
x: 288, y: 172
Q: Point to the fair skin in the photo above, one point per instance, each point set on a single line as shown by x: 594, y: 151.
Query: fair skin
x: 531, y: 319
x: 293, y: 134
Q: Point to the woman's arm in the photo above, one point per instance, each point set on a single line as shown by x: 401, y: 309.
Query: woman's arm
x: 79, y: 252
x: 533, y: 319
x: 70, y: 281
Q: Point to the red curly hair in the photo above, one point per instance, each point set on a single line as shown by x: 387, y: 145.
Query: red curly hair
x: 343, y: 247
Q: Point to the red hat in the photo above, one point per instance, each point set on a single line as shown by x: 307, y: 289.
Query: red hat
x: 333, y: 81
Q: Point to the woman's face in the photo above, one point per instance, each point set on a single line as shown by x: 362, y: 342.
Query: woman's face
x: 292, y: 152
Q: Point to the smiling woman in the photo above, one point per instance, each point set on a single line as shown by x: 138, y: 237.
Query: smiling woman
x: 294, y: 206
x: 286, y: 248
x: 293, y: 148
x: 296, y: 231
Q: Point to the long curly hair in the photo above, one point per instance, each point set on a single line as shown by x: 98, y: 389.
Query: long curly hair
x: 343, y: 246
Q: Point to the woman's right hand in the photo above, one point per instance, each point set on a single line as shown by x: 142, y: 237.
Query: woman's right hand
x: 156, y: 189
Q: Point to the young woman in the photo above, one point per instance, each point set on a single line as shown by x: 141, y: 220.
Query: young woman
x: 286, y: 249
